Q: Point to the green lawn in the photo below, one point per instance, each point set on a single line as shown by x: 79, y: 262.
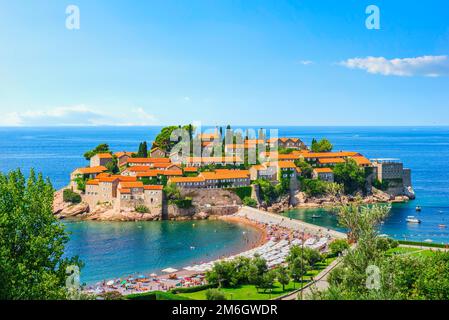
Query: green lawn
x: 244, y: 292
x: 249, y: 292
x: 410, y: 251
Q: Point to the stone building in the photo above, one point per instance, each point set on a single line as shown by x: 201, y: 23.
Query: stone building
x: 100, y: 159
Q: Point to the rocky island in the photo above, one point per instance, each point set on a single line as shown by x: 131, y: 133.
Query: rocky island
x: 161, y: 183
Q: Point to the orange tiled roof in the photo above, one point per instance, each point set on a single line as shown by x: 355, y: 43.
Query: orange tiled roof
x: 139, y: 168
x: 286, y: 165
x: 151, y: 173
x: 124, y: 190
x: 190, y: 169
x: 213, y: 159
x: 225, y: 174
x: 148, y: 160
x: 93, y: 182
x: 153, y: 187
x: 323, y: 170
x: 125, y: 178
x: 329, y: 154
x: 283, y: 140
x: 128, y: 185
x: 331, y: 160
x: 92, y: 170
x: 171, y: 172
x: 108, y: 179
x: 123, y: 153
x: 104, y: 155
x: 361, y: 160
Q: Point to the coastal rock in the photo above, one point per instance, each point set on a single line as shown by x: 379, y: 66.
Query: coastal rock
x: 380, y: 196
x: 201, y: 216
x: 72, y: 210
x: 301, y: 198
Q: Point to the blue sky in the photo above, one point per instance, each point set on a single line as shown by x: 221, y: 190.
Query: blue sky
x: 241, y: 62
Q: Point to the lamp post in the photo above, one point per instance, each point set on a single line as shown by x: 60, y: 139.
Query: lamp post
x: 302, y: 262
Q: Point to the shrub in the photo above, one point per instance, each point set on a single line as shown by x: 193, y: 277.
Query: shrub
x: 250, y: 202
x: 183, y: 203
x: 193, y: 289
x: 142, y: 209
x: 313, y: 187
x: 338, y: 246
x: 384, y: 244
x: 242, y: 192
x: 70, y: 196
x: 215, y: 294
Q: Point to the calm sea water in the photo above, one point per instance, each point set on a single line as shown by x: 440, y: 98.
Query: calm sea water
x: 57, y: 151
x: 115, y: 249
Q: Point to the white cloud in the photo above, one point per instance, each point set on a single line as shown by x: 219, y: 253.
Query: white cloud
x: 305, y: 62
x: 428, y: 66
x: 79, y: 115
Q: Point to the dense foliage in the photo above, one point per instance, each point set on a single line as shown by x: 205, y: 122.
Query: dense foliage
x: 101, y: 148
x: 142, y: 209
x: 31, y: 240
x: 143, y: 150
x: 70, y: 196
x: 215, y: 294
x: 350, y: 175
x: 250, y: 202
x: 323, y: 145
x: 306, y: 168
x: 369, y: 272
x: 338, y: 246
x: 242, y: 192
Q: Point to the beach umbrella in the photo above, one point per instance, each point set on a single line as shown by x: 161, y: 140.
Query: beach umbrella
x: 428, y: 240
x: 153, y: 275
x: 110, y: 283
x: 141, y: 276
x: 170, y: 270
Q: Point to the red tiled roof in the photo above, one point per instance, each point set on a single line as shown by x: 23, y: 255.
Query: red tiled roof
x: 92, y: 170
x: 128, y: 185
x: 148, y: 160
x: 153, y: 187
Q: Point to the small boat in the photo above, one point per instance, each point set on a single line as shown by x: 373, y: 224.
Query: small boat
x: 412, y: 219
x: 418, y: 209
x: 441, y: 226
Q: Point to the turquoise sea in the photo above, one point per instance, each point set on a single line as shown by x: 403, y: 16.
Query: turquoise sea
x: 111, y: 249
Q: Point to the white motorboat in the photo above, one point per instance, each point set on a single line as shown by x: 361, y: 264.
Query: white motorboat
x: 412, y: 219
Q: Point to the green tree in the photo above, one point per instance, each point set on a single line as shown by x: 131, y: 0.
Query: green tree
x: 101, y: 148
x: 306, y: 168
x: 283, y: 276
x: 323, y: 145
x: 172, y: 191
x: 338, y: 246
x: 112, y: 166
x: 163, y: 138
x: 143, y: 150
x: 350, y: 175
x: 362, y: 221
x: 70, y: 196
x: 80, y: 181
x: 32, y: 241
x: 250, y: 202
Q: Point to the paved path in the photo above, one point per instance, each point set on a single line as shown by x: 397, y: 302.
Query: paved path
x: 282, y: 221
x: 319, y: 283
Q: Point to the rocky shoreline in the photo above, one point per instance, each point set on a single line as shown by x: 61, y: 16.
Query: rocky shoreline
x: 106, y: 212
x: 301, y: 201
